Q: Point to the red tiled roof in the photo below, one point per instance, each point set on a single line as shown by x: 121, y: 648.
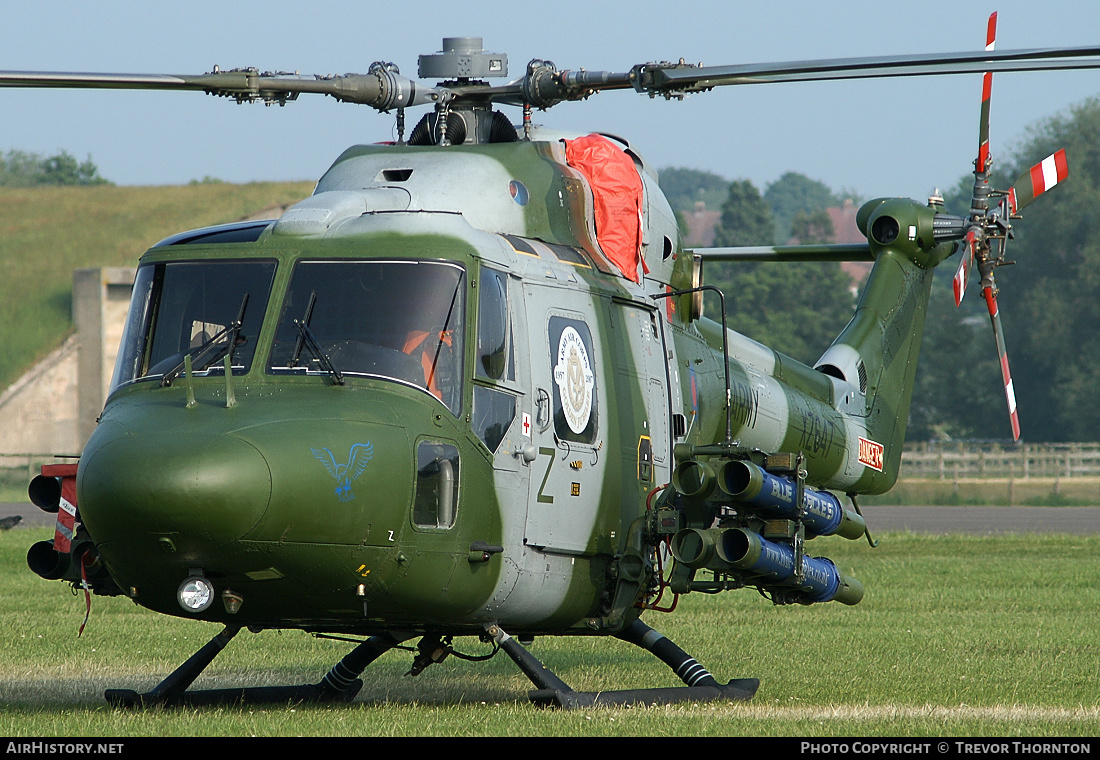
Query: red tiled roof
x: 701, y: 225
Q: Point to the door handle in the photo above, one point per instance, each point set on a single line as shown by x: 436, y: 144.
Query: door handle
x: 542, y: 410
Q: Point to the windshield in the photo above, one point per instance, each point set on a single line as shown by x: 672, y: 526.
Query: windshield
x: 204, y: 310
x: 399, y: 320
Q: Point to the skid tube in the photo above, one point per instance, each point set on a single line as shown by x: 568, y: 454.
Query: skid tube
x: 700, y: 685
x: 340, y: 684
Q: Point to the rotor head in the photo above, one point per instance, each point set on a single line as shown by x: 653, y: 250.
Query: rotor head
x: 462, y: 58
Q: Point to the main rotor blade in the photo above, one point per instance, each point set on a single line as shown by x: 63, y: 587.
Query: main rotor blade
x: 105, y: 81
x: 671, y: 78
x: 381, y: 88
x: 543, y: 86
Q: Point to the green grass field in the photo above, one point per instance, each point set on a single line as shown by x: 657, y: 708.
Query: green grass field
x: 956, y: 636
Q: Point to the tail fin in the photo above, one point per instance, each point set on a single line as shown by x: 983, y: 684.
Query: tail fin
x: 878, y: 349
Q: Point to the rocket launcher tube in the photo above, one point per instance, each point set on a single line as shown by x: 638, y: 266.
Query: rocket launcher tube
x: 821, y: 581
x: 696, y: 547
x: 694, y: 479
x: 775, y: 496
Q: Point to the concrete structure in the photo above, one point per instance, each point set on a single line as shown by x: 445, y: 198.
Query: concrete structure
x: 101, y: 299
x: 52, y: 409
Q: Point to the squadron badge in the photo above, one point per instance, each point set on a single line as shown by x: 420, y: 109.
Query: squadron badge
x: 575, y: 380
x: 360, y: 454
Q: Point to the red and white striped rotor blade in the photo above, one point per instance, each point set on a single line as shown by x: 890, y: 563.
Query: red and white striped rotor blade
x: 1006, y: 376
x: 1037, y: 180
x: 963, y: 272
x: 987, y: 91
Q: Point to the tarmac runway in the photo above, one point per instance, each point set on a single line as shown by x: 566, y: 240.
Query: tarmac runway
x: 975, y: 520
x: 983, y: 520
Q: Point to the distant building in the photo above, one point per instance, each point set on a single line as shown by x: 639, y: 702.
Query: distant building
x: 846, y: 231
x: 701, y: 225
x: 844, y: 223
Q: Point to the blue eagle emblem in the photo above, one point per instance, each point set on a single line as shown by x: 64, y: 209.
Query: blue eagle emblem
x: 360, y: 454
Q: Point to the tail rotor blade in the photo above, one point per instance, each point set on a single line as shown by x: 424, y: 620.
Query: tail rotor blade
x: 1037, y: 180
x: 979, y: 204
x: 963, y: 272
x: 987, y: 91
x: 990, y: 295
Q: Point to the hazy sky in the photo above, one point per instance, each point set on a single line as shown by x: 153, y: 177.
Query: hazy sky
x: 878, y: 137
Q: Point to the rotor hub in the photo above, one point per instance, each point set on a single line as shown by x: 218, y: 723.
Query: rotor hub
x: 462, y: 58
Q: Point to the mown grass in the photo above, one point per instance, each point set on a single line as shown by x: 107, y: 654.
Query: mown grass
x: 957, y: 636
x: 46, y: 233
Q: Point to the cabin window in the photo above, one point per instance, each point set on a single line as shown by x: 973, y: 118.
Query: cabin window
x: 437, y: 474
x: 493, y: 415
x: 204, y: 310
x: 397, y: 320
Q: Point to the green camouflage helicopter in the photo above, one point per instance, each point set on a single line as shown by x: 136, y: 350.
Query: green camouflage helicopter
x: 466, y: 388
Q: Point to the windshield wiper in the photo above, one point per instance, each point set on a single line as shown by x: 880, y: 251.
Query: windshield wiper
x: 306, y: 338
x: 209, y: 352
x: 444, y: 331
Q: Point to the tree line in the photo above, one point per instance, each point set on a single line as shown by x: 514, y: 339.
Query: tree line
x: 1049, y: 299
x: 23, y: 169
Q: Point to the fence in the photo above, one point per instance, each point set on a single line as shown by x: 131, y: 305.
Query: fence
x: 977, y: 461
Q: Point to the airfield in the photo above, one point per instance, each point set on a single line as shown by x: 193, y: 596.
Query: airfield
x: 977, y: 623
x: 983, y: 520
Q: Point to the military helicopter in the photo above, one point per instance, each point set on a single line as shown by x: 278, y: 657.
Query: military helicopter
x: 467, y: 387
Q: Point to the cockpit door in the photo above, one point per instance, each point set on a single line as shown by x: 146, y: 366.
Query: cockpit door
x: 569, y: 427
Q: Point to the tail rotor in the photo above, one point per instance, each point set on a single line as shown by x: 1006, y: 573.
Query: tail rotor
x: 988, y: 227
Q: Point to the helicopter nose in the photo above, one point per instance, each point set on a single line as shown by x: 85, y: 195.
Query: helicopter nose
x: 194, y: 492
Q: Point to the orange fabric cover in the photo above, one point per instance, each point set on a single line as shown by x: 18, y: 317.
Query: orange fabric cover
x: 617, y: 194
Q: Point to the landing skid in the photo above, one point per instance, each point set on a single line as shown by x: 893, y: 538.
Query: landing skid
x: 340, y: 684
x: 700, y: 686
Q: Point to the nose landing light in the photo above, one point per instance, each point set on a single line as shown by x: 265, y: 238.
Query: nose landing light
x: 195, y: 594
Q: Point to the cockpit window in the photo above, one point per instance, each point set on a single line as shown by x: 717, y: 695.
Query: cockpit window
x: 202, y: 310
x: 494, y: 340
x: 398, y: 320
x: 494, y: 409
